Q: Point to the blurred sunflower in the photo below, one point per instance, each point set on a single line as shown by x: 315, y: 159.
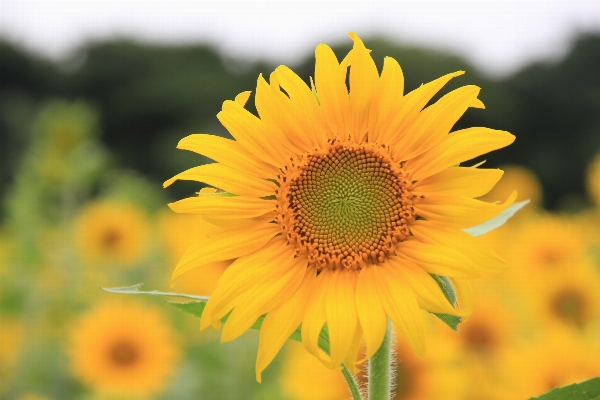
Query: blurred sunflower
x: 123, y: 349
x: 340, y: 204
x: 489, y: 329
x: 593, y: 179
x: 544, y: 244
x: 557, y: 359
x: 111, y: 232
x: 568, y: 298
x: 436, y: 376
x: 11, y: 340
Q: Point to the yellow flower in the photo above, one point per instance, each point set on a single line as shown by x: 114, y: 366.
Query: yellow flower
x: 123, y: 349
x: 567, y: 298
x: 593, y: 179
x: 557, y: 359
x: 111, y: 232
x: 339, y: 205
x: 11, y: 341
x: 544, y: 244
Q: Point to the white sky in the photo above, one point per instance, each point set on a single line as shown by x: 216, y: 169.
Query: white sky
x: 498, y: 36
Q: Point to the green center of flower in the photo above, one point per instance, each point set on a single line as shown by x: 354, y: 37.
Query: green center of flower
x: 345, y: 206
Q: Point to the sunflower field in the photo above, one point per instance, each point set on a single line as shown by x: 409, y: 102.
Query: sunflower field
x: 85, y: 146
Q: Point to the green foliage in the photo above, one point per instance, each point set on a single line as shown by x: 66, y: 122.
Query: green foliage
x: 588, y: 390
x: 448, y: 290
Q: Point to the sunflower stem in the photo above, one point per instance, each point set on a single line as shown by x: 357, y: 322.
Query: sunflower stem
x: 380, y: 369
x: 352, y: 385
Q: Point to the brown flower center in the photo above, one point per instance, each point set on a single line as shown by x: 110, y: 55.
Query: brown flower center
x: 123, y: 354
x: 570, y: 305
x: 345, y: 206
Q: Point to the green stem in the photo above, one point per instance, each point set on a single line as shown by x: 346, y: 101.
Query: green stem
x: 380, y: 374
x: 351, y: 383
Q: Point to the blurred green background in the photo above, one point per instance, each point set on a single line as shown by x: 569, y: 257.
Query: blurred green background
x: 86, y: 142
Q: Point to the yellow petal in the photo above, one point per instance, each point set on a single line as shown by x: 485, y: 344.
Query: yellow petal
x: 314, y: 317
x: 330, y: 79
x: 268, y: 105
x: 224, y: 207
x: 273, y: 290
x: 252, y: 133
x: 438, y: 260
x: 410, y: 107
x: 477, y: 104
x: 459, y: 181
x: 242, y: 98
x: 226, y: 246
x: 340, y: 311
x: 242, y: 275
x: 228, y: 179
x: 428, y: 293
x: 280, y: 323
x: 229, y: 153
x: 301, y: 112
x: 401, y: 305
x: 371, y: 314
x: 459, y: 212
x: 389, y: 92
x: 464, y: 294
x: 350, y: 360
x: 363, y: 81
x: 460, y: 146
x: 433, y: 124
x: 456, y: 239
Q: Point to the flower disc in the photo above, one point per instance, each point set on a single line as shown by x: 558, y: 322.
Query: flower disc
x: 345, y: 205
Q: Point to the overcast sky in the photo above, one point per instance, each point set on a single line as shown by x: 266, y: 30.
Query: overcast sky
x: 498, y: 36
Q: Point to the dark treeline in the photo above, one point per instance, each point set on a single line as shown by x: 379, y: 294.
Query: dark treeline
x: 149, y: 97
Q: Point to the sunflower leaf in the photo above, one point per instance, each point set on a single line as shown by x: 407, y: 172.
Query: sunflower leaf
x: 134, y: 289
x: 497, y: 221
x: 588, y: 390
x: 451, y: 320
x: 447, y: 288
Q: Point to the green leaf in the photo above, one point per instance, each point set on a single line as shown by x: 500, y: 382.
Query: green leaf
x: 451, y: 320
x: 446, y: 286
x: 134, y: 289
x: 497, y: 221
x: 588, y: 390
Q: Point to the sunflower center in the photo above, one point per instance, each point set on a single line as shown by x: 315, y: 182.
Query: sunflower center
x: 123, y: 354
x: 345, y: 206
x: 570, y: 305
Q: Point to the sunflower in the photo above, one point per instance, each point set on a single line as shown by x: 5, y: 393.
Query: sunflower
x: 111, y: 232
x: 566, y: 298
x: 557, y: 359
x: 593, y: 179
x: 123, y: 349
x: 340, y: 204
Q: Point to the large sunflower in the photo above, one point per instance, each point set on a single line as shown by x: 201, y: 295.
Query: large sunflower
x: 340, y: 204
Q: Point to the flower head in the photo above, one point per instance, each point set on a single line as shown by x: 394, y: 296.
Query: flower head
x: 111, y: 232
x: 339, y: 204
x: 123, y: 349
